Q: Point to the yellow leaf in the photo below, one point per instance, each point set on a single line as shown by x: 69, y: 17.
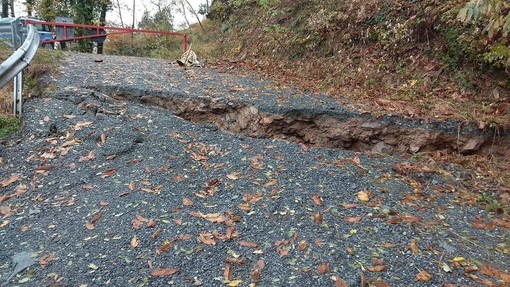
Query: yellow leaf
x: 458, y: 259
x: 363, y: 196
x: 235, y: 283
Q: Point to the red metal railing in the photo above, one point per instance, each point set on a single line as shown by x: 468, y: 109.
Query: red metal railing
x: 102, y: 31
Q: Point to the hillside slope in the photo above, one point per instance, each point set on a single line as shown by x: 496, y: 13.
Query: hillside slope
x: 411, y: 58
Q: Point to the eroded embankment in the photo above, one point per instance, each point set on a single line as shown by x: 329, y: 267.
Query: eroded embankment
x: 326, y: 129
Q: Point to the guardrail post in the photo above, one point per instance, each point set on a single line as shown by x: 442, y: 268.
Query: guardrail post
x: 18, y: 89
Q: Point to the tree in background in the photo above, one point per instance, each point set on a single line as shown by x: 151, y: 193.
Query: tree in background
x: 5, y: 8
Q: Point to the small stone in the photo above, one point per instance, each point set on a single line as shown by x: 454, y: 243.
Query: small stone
x: 472, y: 145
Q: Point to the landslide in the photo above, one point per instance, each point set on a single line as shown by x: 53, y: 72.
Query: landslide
x: 409, y: 59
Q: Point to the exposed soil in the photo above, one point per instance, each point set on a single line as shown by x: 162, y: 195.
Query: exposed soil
x: 330, y: 129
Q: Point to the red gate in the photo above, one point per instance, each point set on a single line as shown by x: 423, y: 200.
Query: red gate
x: 102, y: 31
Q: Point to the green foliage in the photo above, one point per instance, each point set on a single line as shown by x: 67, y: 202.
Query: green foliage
x: 8, y: 125
x: 490, y: 21
x: 162, y: 20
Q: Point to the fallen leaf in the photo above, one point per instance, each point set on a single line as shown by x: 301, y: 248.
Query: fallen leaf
x: 90, y: 157
x: 108, y: 172
x: 339, y: 282
x: 187, y: 202
x: 132, y: 186
x: 8, y: 181
x: 135, y: 241
x: 45, y: 260
x: 71, y: 142
x: 235, y: 283
x: 249, y: 244
x: 414, y: 246
x: 206, y: 239
x: 423, y: 276
x: 161, y: 272
x: 317, y: 218
x: 380, y: 283
x: 97, y: 217
x: 377, y: 268
x: 363, y: 196
x: 317, y: 200
x: 103, y: 138
x: 302, y: 245
x: 5, y: 210
x: 233, y: 176
x: 353, y: 219
x: 156, y: 233
x: 227, y: 274
x: 89, y: 226
x: 323, y: 268
x: 165, y: 247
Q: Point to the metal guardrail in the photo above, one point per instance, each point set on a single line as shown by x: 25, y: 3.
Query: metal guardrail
x: 12, y: 68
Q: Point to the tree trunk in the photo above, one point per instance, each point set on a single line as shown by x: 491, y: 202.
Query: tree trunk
x: 184, y: 12
x: 102, y: 22
x: 11, y: 4
x: 120, y: 14
x: 196, y: 15
x: 5, y: 8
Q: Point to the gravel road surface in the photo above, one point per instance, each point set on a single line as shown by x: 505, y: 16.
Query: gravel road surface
x: 100, y: 189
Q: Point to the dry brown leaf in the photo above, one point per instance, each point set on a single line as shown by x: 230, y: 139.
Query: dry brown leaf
x: 89, y: 226
x: 165, y: 247
x: 339, y: 282
x: 156, y: 233
x: 244, y: 206
x: 5, y: 210
x: 377, y: 268
x: 317, y: 200
x: 206, y: 239
x: 323, y: 268
x: 302, y: 245
x: 71, y: 142
x: 161, y: 272
x: 90, y: 157
x: 187, y: 202
x: 97, y: 217
x: 353, y: 219
x: 5, y: 197
x: 8, y: 181
x: 249, y: 244
x: 233, y: 176
x: 317, y: 218
x: 135, y: 241
x: 132, y: 186
x: 151, y: 224
x: 45, y: 260
x: 227, y: 274
x: 108, y: 172
x: 414, y: 246
x: 423, y: 276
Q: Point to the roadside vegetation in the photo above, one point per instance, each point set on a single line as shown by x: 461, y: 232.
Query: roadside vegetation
x: 44, y: 62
